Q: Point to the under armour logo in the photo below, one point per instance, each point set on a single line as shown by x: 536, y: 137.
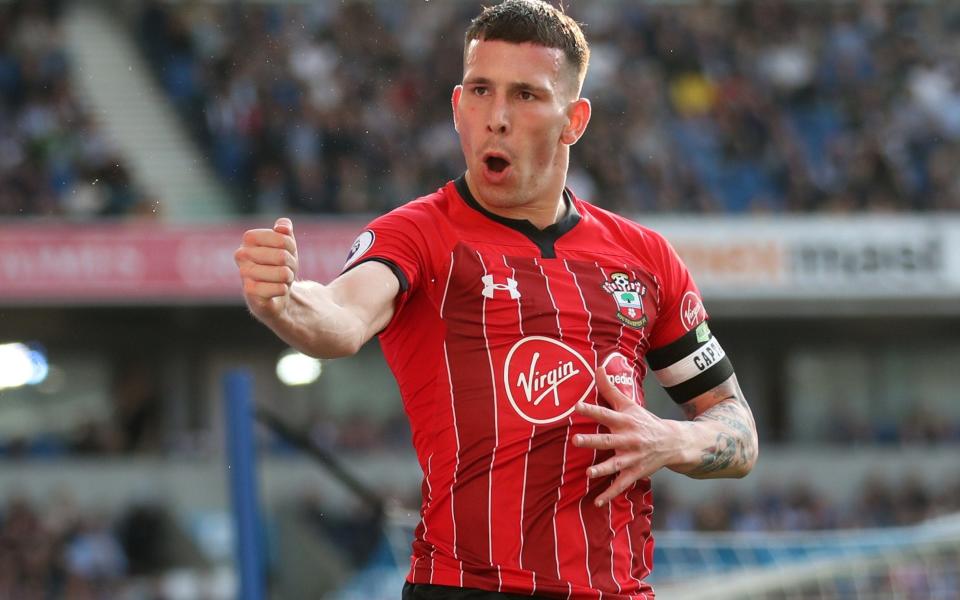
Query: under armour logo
x: 489, y: 287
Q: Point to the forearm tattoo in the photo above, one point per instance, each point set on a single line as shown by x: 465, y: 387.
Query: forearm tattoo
x: 719, y: 456
x: 734, y: 447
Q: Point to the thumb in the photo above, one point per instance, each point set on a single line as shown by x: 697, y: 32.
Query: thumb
x: 609, y: 392
x: 284, y: 226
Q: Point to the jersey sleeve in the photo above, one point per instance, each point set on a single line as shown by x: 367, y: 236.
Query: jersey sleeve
x: 684, y: 356
x: 681, y: 308
x: 395, y: 240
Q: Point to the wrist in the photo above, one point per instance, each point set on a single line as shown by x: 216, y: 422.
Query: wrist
x: 268, y: 311
x: 685, y: 455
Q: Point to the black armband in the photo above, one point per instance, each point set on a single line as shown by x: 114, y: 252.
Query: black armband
x: 690, y: 366
x: 397, y: 271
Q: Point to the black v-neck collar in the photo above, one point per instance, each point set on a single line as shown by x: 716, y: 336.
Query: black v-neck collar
x: 544, y: 238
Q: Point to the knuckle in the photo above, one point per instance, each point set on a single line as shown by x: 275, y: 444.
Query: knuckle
x: 247, y: 272
x: 267, y: 256
x: 240, y: 255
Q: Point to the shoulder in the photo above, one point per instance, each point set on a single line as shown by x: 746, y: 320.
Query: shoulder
x: 409, y: 235
x: 634, y: 233
x: 417, y: 212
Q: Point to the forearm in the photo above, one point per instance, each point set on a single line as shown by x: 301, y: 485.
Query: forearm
x: 314, y: 323
x: 720, y: 441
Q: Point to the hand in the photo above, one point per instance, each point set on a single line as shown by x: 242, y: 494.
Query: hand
x: 642, y: 442
x: 268, y: 265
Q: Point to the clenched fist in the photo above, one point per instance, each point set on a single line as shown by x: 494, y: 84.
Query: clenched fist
x: 267, y: 260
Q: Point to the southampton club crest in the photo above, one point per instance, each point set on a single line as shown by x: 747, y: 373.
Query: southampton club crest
x: 629, y: 295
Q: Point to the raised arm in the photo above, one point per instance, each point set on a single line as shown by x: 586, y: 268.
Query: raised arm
x: 325, y: 321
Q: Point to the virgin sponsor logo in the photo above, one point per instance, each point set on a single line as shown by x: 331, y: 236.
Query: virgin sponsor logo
x: 545, y: 378
x: 692, y: 312
x: 360, y: 246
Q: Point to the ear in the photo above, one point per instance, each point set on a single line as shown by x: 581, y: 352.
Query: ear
x: 455, y: 103
x: 578, y: 115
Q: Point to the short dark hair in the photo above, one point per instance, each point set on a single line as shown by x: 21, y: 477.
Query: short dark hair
x: 536, y: 22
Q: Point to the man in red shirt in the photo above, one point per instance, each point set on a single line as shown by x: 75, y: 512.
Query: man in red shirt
x: 519, y: 321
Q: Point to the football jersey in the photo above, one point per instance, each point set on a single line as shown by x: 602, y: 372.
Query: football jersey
x: 497, y: 332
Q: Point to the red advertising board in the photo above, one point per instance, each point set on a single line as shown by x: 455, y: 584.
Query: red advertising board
x: 147, y: 262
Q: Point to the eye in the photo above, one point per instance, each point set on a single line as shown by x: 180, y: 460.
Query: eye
x: 480, y: 90
x: 526, y: 96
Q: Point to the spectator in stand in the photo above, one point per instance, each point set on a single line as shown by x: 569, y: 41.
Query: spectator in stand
x: 800, y: 507
x: 703, y: 107
x: 54, y: 161
x: 59, y: 550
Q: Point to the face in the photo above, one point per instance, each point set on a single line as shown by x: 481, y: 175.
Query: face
x: 517, y: 114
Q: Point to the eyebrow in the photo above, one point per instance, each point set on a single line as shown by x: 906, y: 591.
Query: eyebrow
x: 517, y: 85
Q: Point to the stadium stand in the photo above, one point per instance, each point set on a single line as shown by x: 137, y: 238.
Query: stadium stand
x: 698, y: 107
x: 54, y: 157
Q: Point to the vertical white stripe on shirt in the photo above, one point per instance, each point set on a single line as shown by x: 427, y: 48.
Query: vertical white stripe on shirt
x: 526, y: 456
x: 433, y: 549
x: 610, y: 503
x: 453, y: 410
x: 596, y: 360
x: 648, y: 500
x: 496, y: 431
x: 446, y: 287
x: 456, y: 467
x: 633, y: 516
x: 639, y: 384
x: 563, y: 469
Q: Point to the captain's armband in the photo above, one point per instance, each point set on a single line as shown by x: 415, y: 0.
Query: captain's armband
x: 690, y: 366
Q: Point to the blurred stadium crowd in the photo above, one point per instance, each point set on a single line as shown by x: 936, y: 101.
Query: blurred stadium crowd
x: 882, y: 501
x: 341, y: 107
x: 56, y: 549
x: 52, y: 548
x: 54, y: 158
x: 721, y: 107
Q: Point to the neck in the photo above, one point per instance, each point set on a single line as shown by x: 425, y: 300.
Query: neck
x: 541, y: 212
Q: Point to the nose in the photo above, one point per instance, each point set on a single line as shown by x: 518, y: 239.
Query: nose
x: 498, y: 120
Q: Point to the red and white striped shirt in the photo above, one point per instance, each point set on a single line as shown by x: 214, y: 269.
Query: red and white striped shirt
x: 497, y: 332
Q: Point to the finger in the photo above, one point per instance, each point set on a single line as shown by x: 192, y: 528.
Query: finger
x: 270, y: 239
x: 601, y: 414
x: 263, y: 255
x: 621, y: 484
x: 610, y: 393
x: 264, y: 290
x: 611, y: 466
x: 267, y: 273
x: 284, y: 226
x: 599, y: 441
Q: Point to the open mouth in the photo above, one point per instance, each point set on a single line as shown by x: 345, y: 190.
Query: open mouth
x: 497, y: 164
